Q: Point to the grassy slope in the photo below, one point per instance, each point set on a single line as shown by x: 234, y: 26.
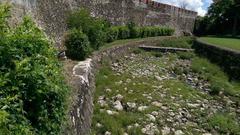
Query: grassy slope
x: 231, y: 43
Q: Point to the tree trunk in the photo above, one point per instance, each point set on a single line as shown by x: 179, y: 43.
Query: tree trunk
x: 235, y: 22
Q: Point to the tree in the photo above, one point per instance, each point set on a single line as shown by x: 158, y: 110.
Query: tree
x: 183, y: 4
x: 222, y: 18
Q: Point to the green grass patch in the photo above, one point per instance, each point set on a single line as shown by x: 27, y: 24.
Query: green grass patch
x: 180, y: 42
x: 232, y: 43
x: 225, y: 124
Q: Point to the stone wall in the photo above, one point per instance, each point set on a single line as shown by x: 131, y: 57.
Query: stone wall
x: 84, y: 72
x: 51, y: 14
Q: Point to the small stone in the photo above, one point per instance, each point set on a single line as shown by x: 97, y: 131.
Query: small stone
x: 151, y: 117
x: 207, y: 134
x: 118, y: 105
x: 109, y: 112
x: 98, y: 125
x: 108, y: 133
x: 158, y: 78
x: 157, y: 104
x: 119, y: 83
x: 166, y: 131
x: 131, y: 105
x: 125, y: 133
x: 108, y: 90
x: 142, y: 108
x: 164, y: 108
x: 128, y: 80
x: 193, y: 105
x: 119, y: 97
x: 179, y: 132
x: 102, y: 103
x: 155, y: 113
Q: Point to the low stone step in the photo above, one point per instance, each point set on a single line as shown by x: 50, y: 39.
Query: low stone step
x: 164, y: 49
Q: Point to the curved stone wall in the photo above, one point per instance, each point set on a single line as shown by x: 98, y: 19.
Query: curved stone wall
x: 82, y: 107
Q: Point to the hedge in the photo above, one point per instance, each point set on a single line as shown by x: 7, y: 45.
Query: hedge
x: 228, y: 59
x: 33, y: 91
x: 77, y: 44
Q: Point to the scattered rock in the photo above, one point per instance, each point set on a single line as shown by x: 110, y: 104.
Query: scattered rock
x: 193, y: 105
x: 109, y: 112
x: 166, y: 130
x: 157, y: 104
x: 119, y: 97
x: 108, y: 90
x: 158, y: 78
x: 118, y: 105
x: 108, y: 133
x: 131, y: 105
x: 142, y: 108
x: 99, y: 125
x: 178, y: 132
x: 150, y: 129
x: 151, y: 117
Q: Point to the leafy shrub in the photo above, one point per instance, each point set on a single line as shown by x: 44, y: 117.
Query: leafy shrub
x: 112, y: 34
x: 77, y: 45
x: 94, y: 28
x: 134, y: 31
x: 124, y: 32
x: 33, y: 91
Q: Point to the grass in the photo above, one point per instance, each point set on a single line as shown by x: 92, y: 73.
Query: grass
x: 180, y: 42
x: 231, y: 43
x: 225, y: 123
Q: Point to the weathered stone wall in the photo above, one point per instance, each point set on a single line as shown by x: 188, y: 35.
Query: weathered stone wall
x: 51, y: 14
x: 84, y: 72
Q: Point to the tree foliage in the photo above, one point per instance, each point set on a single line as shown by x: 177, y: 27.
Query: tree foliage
x: 223, y: 17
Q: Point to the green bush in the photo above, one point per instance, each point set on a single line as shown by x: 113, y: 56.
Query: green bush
x: 124, y: 32
x: 112, y: 34
x: 94, y: 28
x: 77, y: 45
x: 33, y: 91
x: 134, y: 31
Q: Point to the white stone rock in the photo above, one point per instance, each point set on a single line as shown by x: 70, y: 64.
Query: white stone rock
x: 150, y: 129
x: 98, y: 125
x: 166, y: 130
x: 155, y: 113
x: 108, y: 90
x: 157, y: 104
x: 151, y: 117
x: 207, y: 134
x: 142, y: 108
x: 131, y: 105
x: 193, y: 105
x: 119, y: 97
x: 108, y: 133
x: 179, y: 132
x: 118, y: 105
x: 102, y: 103
x: 109, y: 112
x: 158, y: 78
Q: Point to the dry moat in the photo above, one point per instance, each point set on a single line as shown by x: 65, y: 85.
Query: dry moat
x: 157, y: 93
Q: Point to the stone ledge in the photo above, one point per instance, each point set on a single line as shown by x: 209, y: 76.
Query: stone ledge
x: 164, y: 49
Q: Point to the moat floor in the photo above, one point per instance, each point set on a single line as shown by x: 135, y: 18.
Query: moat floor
x: 163, y: 93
